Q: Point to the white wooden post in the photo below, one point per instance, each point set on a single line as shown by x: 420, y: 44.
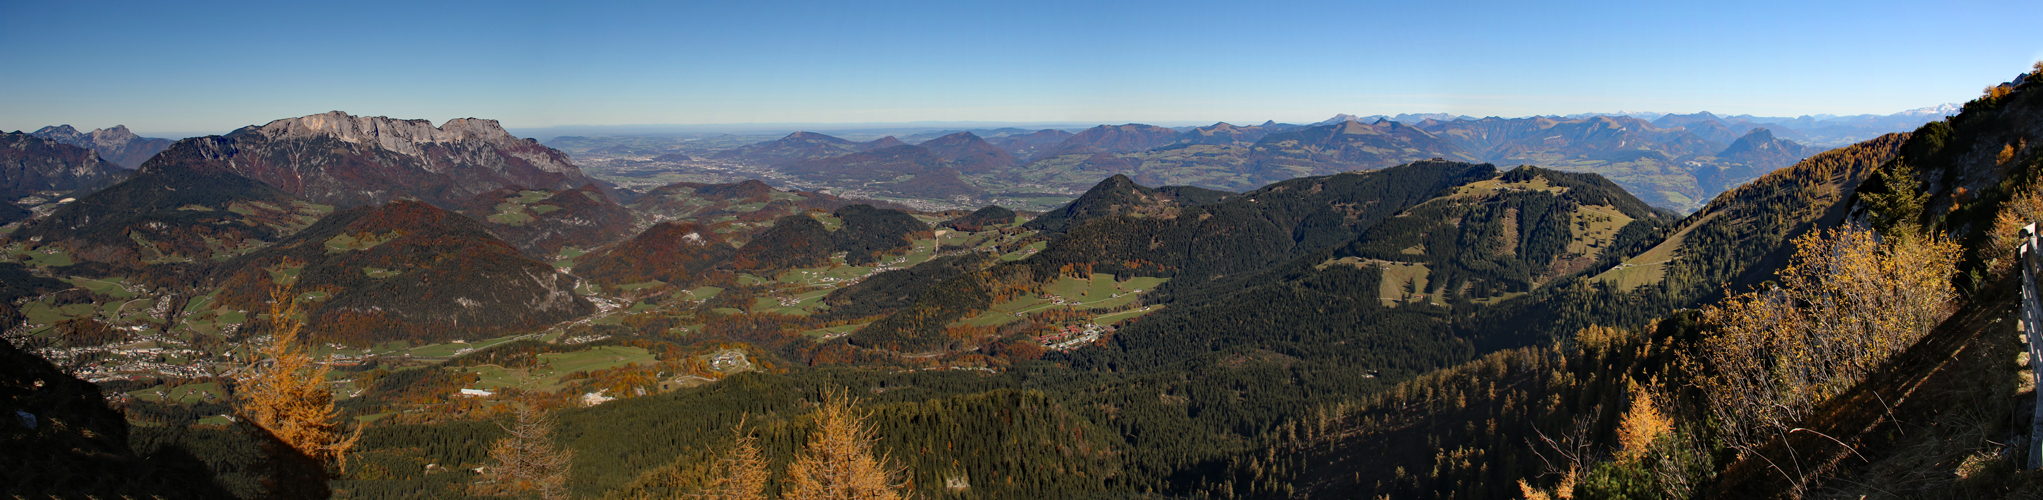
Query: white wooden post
x: 2032, y: 327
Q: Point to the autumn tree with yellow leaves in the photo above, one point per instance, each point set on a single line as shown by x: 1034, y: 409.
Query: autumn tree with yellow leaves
x: 526, y: 460
x: 2023, y: 207
x: 742, y: 473
x: 284, y: 394
x: 1845, y: 304
x: 838, y: 462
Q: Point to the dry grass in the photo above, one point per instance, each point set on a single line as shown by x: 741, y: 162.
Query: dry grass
x: 1954, y: 441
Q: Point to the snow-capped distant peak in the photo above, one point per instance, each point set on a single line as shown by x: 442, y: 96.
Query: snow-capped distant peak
x: 1946, y: 109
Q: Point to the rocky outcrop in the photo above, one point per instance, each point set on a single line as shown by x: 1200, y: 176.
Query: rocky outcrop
x: 117, y: 144
x: 340, y: 159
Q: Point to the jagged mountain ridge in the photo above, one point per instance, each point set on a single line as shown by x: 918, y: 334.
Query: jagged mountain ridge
x: 344, y: 160
x: 118, y: 144
x: 1671, y: 161
x: 1223, y: 134
x: 1711, y: 127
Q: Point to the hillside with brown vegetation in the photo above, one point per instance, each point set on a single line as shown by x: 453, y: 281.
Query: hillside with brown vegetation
x: 404, y: 271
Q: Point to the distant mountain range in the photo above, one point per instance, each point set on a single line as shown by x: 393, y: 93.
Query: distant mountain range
x: 117, y: 144
x: 1676, y: 161
x: 804, y: 145
x: 1822, y: 129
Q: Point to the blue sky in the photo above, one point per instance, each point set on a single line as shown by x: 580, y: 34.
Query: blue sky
x: 176, y: 67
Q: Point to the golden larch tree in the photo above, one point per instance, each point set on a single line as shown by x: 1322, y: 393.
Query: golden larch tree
x: 1846, y: 303
x: 741, y: 474
x: 839, y: 463
x: 1641, y: 425
x: 285, y: 392
x: 525, y: 460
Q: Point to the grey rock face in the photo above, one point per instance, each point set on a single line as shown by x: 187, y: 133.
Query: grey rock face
x: 118, y: 144
x: 340, y: 159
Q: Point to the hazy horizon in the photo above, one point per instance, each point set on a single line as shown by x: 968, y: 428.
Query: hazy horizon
x: 223, y: 65
x: 656, y: 129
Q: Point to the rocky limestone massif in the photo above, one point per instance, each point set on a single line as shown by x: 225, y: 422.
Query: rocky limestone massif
x: 345, y: 160
x: 118, y: 144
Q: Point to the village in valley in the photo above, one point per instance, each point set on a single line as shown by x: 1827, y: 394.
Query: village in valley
x: 178, y: 349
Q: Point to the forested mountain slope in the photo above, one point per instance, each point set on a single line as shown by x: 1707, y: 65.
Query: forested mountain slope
x: 1403, y: 283
x: 31, y: 164
x: 403, y: 271
x: 543, y: 223
x: 175, y: 214
x: 1347, y: 146
x: 1120, y: 196
x: 1645, y: 412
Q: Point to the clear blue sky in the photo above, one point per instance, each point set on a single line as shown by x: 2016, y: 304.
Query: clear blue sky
x: 210, y: 67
